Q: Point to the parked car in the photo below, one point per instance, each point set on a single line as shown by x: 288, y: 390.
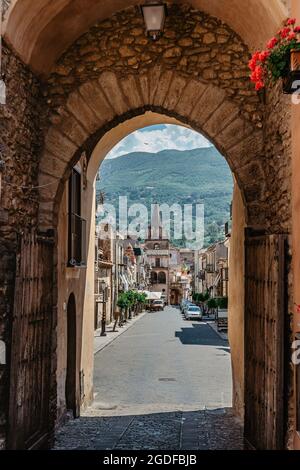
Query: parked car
x: 193, y: 313
x: 186, y: 306
x: 157, y: 305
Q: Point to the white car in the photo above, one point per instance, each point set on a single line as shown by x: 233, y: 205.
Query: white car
x: 193, y: 313
x: 157, y: 305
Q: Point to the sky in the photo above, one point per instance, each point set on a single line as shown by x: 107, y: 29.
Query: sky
x: 154, y: 139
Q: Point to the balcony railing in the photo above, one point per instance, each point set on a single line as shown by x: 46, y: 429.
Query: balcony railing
x: 225, y: 276
x: 77, y: 240
x: 201, y: 275
x: 157, y: 252
x: 210, y: 268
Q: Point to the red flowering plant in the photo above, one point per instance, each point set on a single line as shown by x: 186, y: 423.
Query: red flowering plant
x: 269, y: 65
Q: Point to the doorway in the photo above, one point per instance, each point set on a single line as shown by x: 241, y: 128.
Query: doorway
x: 71, y: 356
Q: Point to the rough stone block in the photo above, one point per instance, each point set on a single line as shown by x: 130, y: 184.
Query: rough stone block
x: 59, y: 145
x: 80, y: 109
x: 190, y: 95
x: 221, y: 118
x: 112, y: 90
x: 95, y: 98
x: 131, y: 91
x: 177, y: 85
x: 162, y: 89
x: 207, y: 104
x: 144, y: 84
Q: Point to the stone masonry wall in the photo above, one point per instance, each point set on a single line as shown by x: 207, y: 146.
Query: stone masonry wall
x: 20, y: 148
x: 200, y: 46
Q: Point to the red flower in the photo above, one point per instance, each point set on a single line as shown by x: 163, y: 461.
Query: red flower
x: 263, y: 56
x: 297, y: 29
x: 259, y: 85
x: 272, y: 43
x: 257, y: 77
x: 291, y: 21
x: 298, y: 308
x: 254, y: 59
x: 284, y: 32
x: 259, y: 72
x: 292, y: 36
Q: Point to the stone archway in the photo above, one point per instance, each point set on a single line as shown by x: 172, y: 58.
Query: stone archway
x: 101, y: 112
x: 98, y: 106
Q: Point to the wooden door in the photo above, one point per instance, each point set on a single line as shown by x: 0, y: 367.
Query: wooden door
x: 265, y: 295
x: 31, y: 347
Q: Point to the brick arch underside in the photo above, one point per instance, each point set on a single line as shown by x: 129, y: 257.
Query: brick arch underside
x: 100, y: 105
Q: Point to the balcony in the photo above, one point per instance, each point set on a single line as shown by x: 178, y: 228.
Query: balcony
x: 201, y: 275
x: 225, y: 276
x: 157, y: 252
x: 210, y: 268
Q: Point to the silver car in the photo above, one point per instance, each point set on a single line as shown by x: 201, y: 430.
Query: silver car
x: 193, y: 312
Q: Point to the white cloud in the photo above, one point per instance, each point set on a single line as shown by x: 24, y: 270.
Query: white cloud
x: 157, y: 138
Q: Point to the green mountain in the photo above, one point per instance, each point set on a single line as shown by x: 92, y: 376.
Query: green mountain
x: 171, y: 176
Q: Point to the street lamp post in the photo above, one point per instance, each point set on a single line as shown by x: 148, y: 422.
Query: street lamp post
x: 154, y: 13
x: 103, y: 320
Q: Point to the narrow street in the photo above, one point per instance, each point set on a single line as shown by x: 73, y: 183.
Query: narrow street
x: 163, y: 384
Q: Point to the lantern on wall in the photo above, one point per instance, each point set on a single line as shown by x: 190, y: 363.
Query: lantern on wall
x: 154, y: 14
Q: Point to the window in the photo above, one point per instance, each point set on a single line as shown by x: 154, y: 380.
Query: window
x: 162, y: 279
x: 77, y: 225
x: 157, y: 263
x: 153, y: 277
x: 156, y: 246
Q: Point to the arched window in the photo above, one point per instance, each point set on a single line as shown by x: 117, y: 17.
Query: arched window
x: 156, y: 246
x: 153, y: 277
x: 162, y: 278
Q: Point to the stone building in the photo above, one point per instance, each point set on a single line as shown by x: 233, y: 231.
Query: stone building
x: 104, y: 282
x: 212, y: 269
x: 79, y: 77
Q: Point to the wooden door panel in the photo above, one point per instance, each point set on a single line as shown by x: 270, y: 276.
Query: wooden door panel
x: 31, y: 343
x: 264, y: 340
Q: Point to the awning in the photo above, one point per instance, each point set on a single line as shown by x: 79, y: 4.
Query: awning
x: 217, y: 280
x: 125, y: 282
x: 154, y: 295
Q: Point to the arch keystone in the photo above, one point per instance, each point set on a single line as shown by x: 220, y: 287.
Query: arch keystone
x: 113, y: 92
x: 177, y: 86
x: 130, y: 90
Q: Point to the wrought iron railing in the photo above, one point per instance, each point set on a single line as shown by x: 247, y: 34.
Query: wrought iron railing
x: 77, y: 240
x: 210, y: 268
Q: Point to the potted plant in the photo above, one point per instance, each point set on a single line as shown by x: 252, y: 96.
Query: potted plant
x: 280, y: 60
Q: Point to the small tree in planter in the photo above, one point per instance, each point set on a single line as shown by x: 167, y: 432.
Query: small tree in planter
x: 202, y: 301
x: 123, y: 305
x: 223, y: 303
x: 131, y: 298
x: 280, y: 60
x: 142, y: 299
x: 212, y: 305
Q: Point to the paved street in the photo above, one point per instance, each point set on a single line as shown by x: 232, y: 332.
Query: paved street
x: 169, y: 388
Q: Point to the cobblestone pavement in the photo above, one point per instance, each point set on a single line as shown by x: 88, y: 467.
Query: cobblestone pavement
x: 165, y: 384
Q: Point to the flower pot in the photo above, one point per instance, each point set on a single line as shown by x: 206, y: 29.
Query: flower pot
x: 293, y: 74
